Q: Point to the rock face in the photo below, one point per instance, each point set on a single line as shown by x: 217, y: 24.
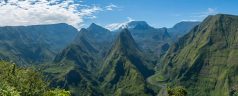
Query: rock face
x: 204, y: 59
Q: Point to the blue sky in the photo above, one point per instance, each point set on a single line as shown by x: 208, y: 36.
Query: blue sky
x: 161, y: 13
x: 110, y: 13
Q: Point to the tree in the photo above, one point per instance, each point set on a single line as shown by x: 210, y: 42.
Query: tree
x: 177, y: 91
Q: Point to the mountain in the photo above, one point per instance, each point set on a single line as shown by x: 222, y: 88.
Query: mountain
x: 124, y: 69
x: 100, y: 38
x: 204, y: 60
x: 154, y: 42
x: 136, y: 25
x: 101, y: 62
x: 80, y: 52
x: 182, y: 28
x: 97, y: 28
x: 76, y: 66
x: 89, y: 45
x: 34, y: 44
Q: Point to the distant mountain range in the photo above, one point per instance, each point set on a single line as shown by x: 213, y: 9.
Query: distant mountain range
x: 182, y: 28
x: 136, y: 59
x: 104, y: 61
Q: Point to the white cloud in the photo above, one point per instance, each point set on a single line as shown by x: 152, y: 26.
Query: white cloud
x: 33, y: 12
x: 115, y: 26
x: 111, y: 7
x: 130, y: 19
x: 209, y: 11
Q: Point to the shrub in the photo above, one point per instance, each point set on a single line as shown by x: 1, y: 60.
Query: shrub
x: 177, y: 91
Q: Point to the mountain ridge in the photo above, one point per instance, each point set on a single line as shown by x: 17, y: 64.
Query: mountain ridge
x: 205, y: 56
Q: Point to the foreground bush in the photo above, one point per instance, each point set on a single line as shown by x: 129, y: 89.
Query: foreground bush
x: 15, y: 81
x: 57, y: 92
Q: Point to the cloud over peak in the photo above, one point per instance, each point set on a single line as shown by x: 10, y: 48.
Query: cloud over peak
x: 115, y: 26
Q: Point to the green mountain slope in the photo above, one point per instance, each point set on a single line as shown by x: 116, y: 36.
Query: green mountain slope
x: 74, y: 68
x: 124, y: 70
x: 204, y: 60
x: 80, y: 52
x: 100, y: 38
x: 34, y: 44
x: 77, y: 80
x: 154, y: 42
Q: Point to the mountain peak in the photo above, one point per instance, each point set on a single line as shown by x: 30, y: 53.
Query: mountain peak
x: 94, y: 25
x: 138, y: 25
x: 97, y: 28
x: 141, y: 25
x: 124, y: 63
x: 125, y: 42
